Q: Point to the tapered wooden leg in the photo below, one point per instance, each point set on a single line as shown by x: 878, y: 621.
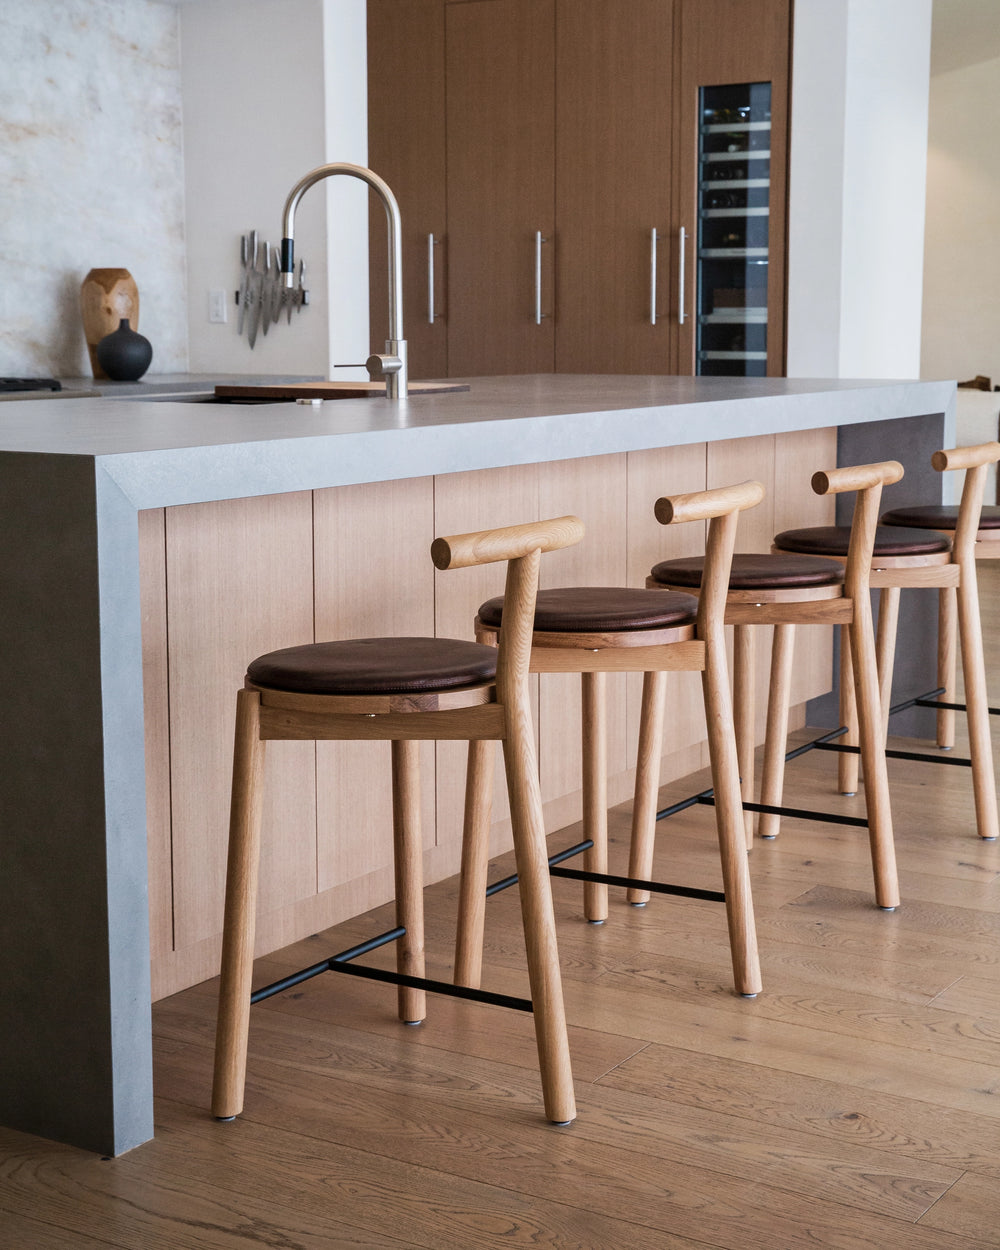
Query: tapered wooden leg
x: 408, y: 861
x: 848, y: 763
x: 976, y: 703
x: 233, y: 1026
x: 475, y: 864
x: 594, y: 721
x: 946, y: 664
x: 885, y: 647
x: 537, y: 913
x: 772, y: 782
x: 647, y: 783
x: 744, y: 698
x: 872, y: 742
x: 729, y: 822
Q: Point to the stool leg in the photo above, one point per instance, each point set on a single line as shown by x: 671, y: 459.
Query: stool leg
x: 744, y: 700
x: 594, y: 724
x: 946, y: 661
x: 729, y: 821
x: 647, y: 783
x: 233, y: 1027
x: 847, y: 763
x: 977, y: 709
x: 538, y: 917
x: 408, y: 861
x: 475, y: 864
x: 872, y: 741
x: 885, y: 647
x: 772, y: 781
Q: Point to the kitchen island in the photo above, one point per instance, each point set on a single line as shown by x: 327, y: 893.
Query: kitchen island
x: 152, y: 548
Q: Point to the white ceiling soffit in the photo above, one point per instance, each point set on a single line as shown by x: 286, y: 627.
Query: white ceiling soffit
x: 964, y: 32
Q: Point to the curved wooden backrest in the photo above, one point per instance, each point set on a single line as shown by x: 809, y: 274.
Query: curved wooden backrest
x: 966, y: 457
x: 701, y: 505
x: 721, y: 507
x: 975, y: 460
x: 867, y: 480
x: 509, y: 543
x: 856, y: 477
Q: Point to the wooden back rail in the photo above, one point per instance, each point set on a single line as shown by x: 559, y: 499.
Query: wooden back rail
x: 953, y: 574
x: 499, y: 710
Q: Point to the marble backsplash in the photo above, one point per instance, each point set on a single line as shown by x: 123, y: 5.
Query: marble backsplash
x: 91, y: 175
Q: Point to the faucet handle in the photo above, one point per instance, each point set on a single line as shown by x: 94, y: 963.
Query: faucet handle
x: 381, y: 367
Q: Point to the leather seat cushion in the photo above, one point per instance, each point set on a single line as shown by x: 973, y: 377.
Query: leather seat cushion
x: 359, y: 666
x: 890, y: 540
x: 756, y: 572
x: 939, y: 517
x: 601, y: 609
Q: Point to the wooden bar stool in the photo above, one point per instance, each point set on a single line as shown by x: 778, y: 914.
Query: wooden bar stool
x: 404, y: 690
x: 781, y: 590
x: 913, y: 550
x: 597, y: 630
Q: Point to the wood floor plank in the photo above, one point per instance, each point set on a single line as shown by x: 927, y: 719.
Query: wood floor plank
x: 970, y: 1208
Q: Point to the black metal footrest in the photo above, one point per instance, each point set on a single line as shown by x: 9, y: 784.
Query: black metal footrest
x: 341, y: 963
x: 603, y: 878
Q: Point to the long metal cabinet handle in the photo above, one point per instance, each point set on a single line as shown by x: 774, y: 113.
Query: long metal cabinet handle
x: 653, y: 236
x: 539, y: 240
x: 430, y: 278
x: 682, y: 238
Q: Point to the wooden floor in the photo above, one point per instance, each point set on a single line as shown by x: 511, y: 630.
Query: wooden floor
x: 855, y: 1103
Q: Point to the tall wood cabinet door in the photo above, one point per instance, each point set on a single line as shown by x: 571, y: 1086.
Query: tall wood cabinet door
x: 721, y: 42
x: 501, y: 160
x: 614, y: 65
x: 406, y: 147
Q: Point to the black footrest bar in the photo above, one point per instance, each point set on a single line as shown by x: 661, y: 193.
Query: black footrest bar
x: 951, y: 707
x: 956, y: 761
x: 306, y: 974
x: 558, y: 858
x: 633, y: 883
x: 340, y: 963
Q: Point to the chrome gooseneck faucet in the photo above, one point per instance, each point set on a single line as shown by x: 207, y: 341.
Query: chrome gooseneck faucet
x: 392, y: 365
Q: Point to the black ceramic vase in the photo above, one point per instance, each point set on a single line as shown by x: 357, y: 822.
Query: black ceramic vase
x: 124, y: 355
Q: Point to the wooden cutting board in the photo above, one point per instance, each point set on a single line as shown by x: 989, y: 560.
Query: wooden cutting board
x: 330, y: 390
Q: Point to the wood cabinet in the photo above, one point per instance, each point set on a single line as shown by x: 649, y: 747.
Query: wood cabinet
x: 551, y: 147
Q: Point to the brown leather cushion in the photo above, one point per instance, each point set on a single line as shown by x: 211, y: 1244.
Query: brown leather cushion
x: 755, y: 572
x: 939, y: 517
x: 361, y: 666
x: 600, y: 609
x: 833, y: 540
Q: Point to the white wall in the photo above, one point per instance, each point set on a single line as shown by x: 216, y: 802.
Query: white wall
x: 961, y: 307
x: 856, y: 193
x: 91, y: 175
x: 271, y: 90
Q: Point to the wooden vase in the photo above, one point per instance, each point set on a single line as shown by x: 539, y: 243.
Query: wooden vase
x: 107, y: 296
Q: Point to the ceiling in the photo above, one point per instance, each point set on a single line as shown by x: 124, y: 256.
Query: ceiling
x: 964, y: 32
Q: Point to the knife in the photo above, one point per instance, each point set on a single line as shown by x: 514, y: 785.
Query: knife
x: 244, y: 284
x: 265, y: 291
x: 253, y: 292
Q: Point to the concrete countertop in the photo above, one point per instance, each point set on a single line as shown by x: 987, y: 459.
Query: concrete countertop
x: 161, y: 452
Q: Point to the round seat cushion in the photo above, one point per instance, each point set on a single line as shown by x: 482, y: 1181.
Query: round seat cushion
x: 834, y: 540
x: 362, y: 666
x: 601, y: 609
x: 755, y: 572
x: 939, y: 517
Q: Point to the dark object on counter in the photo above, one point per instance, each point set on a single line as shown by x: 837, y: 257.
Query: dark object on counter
x: 124, y: 355
x: 30, y: 384
x: 978, y: 383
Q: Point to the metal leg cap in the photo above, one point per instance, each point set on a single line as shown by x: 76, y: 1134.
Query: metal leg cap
x: 848, y: 794
x: 560, y: 1123
x: 637, y: 904
x: 225, y: 1119
x: 412, y: 1024
x: 754, y: 995
x: 881, y: 908
x: 768, y: 837
x: 595, y: 922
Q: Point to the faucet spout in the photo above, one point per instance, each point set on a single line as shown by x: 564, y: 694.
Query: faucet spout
x: 396, y: 380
